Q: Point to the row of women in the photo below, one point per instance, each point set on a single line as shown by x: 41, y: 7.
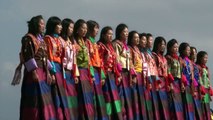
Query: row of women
x: 70, y: 76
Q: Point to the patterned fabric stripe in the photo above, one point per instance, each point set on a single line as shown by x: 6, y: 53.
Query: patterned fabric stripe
x: 72, y: 102
x: 188, y: 103
x: 164, y: 105
x: 84, y: 74
x: 198, y: 109
x: 176, y: 86
x: 113, y: 106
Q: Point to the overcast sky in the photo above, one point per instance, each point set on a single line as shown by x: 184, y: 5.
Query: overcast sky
x: 186, y: 20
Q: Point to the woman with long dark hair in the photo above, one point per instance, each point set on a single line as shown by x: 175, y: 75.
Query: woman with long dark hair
x: 100, y: 106
x: 145, y: 73
x: 122, y: 52
x: 196, y: 92
x: 205, y: 86
x: 174, y: 79
x: 109, y: 65
x: 36, y: 98
x: 153, y: 76
x: 55, y: 52
x: 161, y: 62
x: 138, y: 100
x: 188, y: 75
x: 70, y: 66
x: 86, y: 78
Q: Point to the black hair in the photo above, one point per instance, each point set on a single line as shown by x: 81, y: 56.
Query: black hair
x: 182, y: 48
x: 130, y: 37
x: 65, y: 26
x: 77, y: 25
x: 170, y: 44
x: 90, y: 27
x: 51, y: 25
x: 158, y: 40
x: 104, y: 32
x: 33, y: 24
x: 119, y: 29
x: 142, y: 35
x: 148, y: 35
x: 200, y: 56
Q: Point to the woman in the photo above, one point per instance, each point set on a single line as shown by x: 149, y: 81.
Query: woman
x: 122, y: 53
x: 202, y: 58
x: 36, y: 98
x: 195, y: 85
x: 161, y: 62
x: 109, y: 65
x: 139, y: 108
x: 70, y: 66
x: 55, y: 52
x: 92, y: 32
x: 188, y: 74
x: 145, y: 73
x: 153, y: 77
x: 174, y: 79
x: 86, y: 78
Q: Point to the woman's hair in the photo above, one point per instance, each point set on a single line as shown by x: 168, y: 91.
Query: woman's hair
x: 90, y: 27
x: 119, y: 29
x: 142, y: 35
x: 130, y: 37
x: 182, y: 48
x: 148, y: 35
x: 33, y: 24
x: 65, y: 26
x: 77, y: 25
x: 170, y: 44
x: 51, y: 25
x: 191, y: 49
x: 158, y: 40
x: 104, y: 32
x: 200, y: 56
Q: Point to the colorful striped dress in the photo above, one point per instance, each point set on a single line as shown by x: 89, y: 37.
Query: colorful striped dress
x: 205, y: 86
x: 100, y: 105
x: 174, y: 78
x: 139, y: 105
x: 147, y: 86
x: 36, y: 97
x: 162, y: 67
x: 110, y: 90
x: 124, y: 90
x: 153, y: 79
x: 55, y: 46
x: 85, y: 85
x: 197, y: 95
x: 187, y: 95
x: 71, y: 73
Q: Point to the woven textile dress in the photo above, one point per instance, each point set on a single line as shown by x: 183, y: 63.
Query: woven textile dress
x: 36, y: 97
x: 110, y: 90
x: 124, y: 90
x: 175, y: 98
x: 100, y: 106
x: 71, y: 73
x: 162, y: 67
x: 55, y: 53
x: 139, y: 105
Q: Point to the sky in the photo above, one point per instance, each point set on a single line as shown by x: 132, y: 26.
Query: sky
x: 185, y: 20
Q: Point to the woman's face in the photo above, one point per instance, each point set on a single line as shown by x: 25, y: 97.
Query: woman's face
x: 143, y: 42
x: 124, y: 34
x: 82, y: 31
x: 162, y: 46
x: 150, y: 42
x: 204, y: 59
x: 193, y: 54
x: 41, y: 25
x: 58, y: 29
x: 174, y: 49
x: 135, y: 39
x: 108, y: 36
x: 187, y: 51
x: 70, y: 29
x: 95, y: 31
